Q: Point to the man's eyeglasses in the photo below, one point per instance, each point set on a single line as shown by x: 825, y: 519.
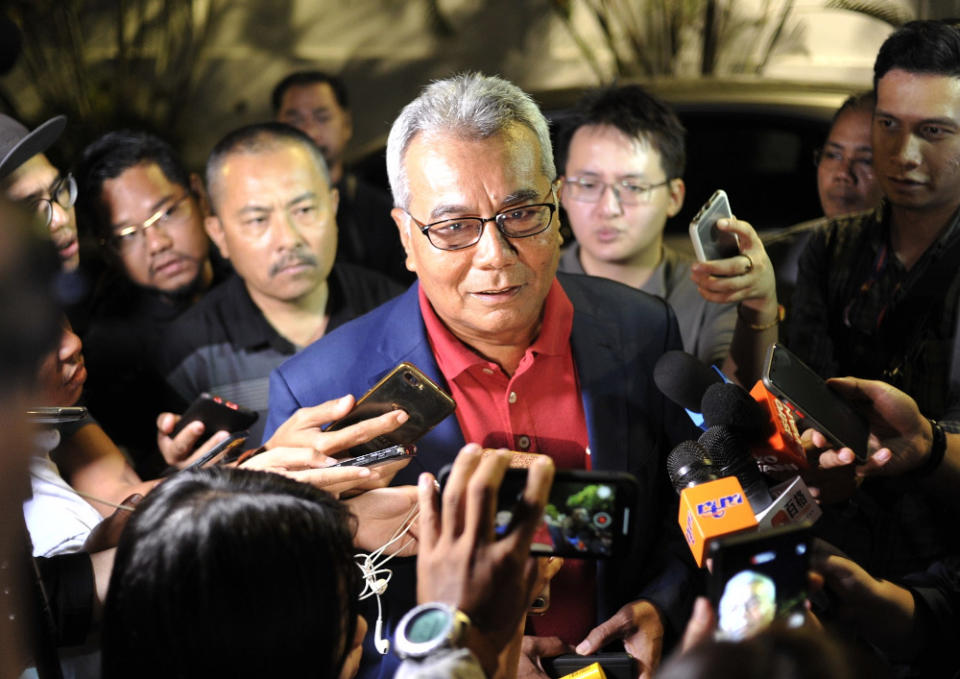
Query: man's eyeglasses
x: 63, y: 192
x: 862, y: 163
x: 515, y: 222
x: 133, y: 236
x: 627, y: 191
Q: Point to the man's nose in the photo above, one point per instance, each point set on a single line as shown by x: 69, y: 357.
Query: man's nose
x: 59, y: 216
x: 907, y: 152
x: 493, y: 248
x: 157, y: 238
x: 610, y: 201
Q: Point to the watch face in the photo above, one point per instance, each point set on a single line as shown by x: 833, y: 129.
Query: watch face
x: 428, y: 625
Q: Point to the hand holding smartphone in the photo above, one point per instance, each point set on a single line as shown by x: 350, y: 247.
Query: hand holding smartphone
x: 709, y: 242
x: 217, y: 414
x: 589, y: 514
x: 793, y: 382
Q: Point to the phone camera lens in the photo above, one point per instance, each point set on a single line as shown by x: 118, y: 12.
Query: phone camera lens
x: 411, y: 379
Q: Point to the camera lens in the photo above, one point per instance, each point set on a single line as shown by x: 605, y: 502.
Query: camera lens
x: 411, y: 379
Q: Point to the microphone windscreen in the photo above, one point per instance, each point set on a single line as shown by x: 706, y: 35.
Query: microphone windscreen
x: 731, y: 406
x: 689, y: 465
x: 731, y: 457
x: 683, y: 378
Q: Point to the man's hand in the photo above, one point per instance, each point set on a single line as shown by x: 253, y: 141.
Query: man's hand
x: 534, y: 648
x: 380, y: 512
x: 306, y: 466
x: 181, y: 450
x: 304, y: 429
x: 464, y: 564
x: 747, y: 277
x: 639, y: 625
x: 900, y: 436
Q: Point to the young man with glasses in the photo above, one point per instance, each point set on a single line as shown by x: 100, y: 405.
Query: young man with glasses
x: 27, y: 176
x: 622, y: 159
x: 139, y: 201
x: 537, y: 362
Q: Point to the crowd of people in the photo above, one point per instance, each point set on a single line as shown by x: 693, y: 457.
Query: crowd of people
x: 281, y: 281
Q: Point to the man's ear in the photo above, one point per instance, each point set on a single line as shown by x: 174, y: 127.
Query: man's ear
x: 334, y: 201
x: 402, y: 221
x: 214, y: 228
x: 677, y: 190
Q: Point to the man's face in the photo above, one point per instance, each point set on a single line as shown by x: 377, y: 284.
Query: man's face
x: 34, y: 180
x: 607, y: 230
x: 276, y: 222
x: 170, y: 255
x: 493, y: 291
x: 313, y: 109
x: 845, y: 177
x: 916, y: 140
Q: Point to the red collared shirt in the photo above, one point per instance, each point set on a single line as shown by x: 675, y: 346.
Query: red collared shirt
x: 536, y: 410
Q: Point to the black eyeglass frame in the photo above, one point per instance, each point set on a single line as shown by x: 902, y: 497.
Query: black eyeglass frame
x: 425, y: 228
x: 65, y: 181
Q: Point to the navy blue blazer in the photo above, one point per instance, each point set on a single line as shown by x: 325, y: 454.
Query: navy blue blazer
x: 618, y: 335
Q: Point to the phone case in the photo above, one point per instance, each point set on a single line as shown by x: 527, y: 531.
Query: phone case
x: 216, y: 414
x: 709, y: 242
x: 391, y: 454
x: 407, y: 388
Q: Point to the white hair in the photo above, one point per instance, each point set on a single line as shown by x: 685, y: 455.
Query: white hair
x: 470, y: 105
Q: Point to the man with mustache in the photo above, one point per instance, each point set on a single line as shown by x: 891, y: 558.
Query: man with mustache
x: 274, y: 217
x: 537, y: 361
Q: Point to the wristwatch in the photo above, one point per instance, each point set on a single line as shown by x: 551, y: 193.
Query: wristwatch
x: 430, y: 627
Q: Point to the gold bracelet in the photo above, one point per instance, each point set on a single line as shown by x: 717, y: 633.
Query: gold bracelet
x: 781, y: 314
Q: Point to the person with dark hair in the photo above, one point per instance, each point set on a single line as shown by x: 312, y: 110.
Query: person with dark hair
x: 845, y: 178
x: 877, y: 294
x: 536, y: 361
x: 147, y: 213
x: 316, y: 104
x: 622, y: 164
x: 273, y: 219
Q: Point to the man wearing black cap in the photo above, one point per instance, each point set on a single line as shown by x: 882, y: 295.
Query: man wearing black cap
x: 27, y: 176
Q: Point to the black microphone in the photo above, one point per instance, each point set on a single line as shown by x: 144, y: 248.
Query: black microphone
x: 731, y: 457
x: 688, y: 465
x: 683, y: 379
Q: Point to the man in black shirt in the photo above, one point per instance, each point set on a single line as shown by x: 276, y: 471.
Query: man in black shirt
x: 316, y: 104
x: 275, y: 220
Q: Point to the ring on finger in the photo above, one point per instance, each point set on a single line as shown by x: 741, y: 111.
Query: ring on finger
x: 749, y: 263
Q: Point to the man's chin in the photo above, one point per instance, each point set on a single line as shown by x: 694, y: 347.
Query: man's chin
x: 183, y: 286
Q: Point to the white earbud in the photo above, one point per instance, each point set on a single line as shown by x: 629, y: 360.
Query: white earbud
x: 382, y: 645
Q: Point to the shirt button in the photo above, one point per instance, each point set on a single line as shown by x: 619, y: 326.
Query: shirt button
x: 512, y: 398
x: 523, y: 442
x: 487, y: 371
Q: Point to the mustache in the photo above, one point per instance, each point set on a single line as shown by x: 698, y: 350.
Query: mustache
x: 295, y: 258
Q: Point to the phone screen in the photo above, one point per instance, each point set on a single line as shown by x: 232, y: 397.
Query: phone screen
x: 757, y: 578
x: 589, y: 514
x: 792, y: 381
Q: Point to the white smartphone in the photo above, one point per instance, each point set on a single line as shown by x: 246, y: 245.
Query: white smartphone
x: 709, y: 242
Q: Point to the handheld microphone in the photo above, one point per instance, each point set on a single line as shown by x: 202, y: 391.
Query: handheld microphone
x: 731, y: 458
x: 709, y: 507
x: 761, y: 420
x: 683, y: 379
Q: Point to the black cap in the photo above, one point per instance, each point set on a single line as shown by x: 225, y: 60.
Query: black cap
x: 18, y: 144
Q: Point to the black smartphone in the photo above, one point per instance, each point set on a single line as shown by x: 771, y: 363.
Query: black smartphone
x: 590, y: 514
x: 217, y: 414
x: 614, y: 665
x: 757, y: 578
x: 56, y: 414
x: 406, y: 388
x: 790, y: 380
x: 709, y: 242
x: 222, y: 452
x: 391, y: 454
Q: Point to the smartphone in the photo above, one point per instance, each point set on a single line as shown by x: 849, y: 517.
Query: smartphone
x: 589, y: 514
x: 811, y: 399
x: 217, y: 414
x: 406, y: 388
x: 391, y: 454
x: 757, y: 578
x: 221, y: 452
x: 614, y: 665
x: 709, y: 242
x: 56, y: 414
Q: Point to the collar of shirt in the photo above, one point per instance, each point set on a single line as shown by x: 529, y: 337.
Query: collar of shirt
x: 454, y: 357
x: 250, y: 329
